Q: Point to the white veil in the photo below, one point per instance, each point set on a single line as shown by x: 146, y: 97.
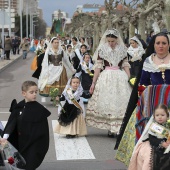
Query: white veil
x: 104, y: 41
x: 140, y: 51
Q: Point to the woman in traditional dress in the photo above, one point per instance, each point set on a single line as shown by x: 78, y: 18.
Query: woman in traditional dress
x: 53, y: 72
x: 110, y: 88
x: 156, y: 70
x: 135, y: 53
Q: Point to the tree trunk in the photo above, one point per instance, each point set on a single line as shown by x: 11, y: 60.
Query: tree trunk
x: 166, y: 14
x: 141, y: 26
x: 131, y: 30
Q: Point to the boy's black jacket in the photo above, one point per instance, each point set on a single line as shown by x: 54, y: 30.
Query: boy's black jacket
x: 32, y: 140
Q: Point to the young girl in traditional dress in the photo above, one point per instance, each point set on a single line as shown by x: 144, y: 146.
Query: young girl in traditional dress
x: 85, y: 70
x: 149, y: 152
x: 135, y: 53
x: 71, y: 120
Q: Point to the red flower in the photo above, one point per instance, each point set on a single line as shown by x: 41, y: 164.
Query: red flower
x: 141, y: 88
x: 11, y: 160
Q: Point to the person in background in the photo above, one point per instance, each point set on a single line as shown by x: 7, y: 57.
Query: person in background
x: 142, y: 41
x: 8, y: 47
x: 149, y: 37
x: 25, y: 47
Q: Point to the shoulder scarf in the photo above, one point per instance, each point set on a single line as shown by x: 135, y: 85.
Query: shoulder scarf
x: 74, y: 101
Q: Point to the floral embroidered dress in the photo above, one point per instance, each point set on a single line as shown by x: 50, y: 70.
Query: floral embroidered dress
x: 108, y: 104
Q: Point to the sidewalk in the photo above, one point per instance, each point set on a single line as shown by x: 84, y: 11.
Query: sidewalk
x: 6, y: 63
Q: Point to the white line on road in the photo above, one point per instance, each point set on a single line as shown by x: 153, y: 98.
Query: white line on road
x: 4, y: 112
x: 43, y: 99
x: 71, y: 149
x: 4, y: 123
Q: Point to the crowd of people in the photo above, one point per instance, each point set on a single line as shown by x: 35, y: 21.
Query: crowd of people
x: 101, y: 81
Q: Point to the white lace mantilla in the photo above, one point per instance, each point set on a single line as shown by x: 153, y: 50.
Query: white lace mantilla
x: 150, y: 66
x: 113, y: 56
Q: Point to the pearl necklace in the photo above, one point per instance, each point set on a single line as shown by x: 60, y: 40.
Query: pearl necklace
x: 162, y: 59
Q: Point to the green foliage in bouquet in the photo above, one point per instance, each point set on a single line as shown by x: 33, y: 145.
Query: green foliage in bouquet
x: 53, y: 94
x: 38, y: 52
x: 168, y: 124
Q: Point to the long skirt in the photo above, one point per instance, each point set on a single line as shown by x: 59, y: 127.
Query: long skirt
x: 127, y: 143
x: 141, y: 159
x: 57, y: 84
x: 108, y: 104
x: 77, y: 127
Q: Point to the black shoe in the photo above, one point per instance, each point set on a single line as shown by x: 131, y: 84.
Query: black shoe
x: 70, y: 136
x: 111, y: 134
x: 85, y: 102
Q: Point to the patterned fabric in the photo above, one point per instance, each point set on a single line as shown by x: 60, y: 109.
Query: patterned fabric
x: 127, y: 143
x: 152, y: 96
x: 107, y: 106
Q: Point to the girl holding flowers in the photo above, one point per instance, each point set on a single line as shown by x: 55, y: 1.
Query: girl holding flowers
x: 71, y: 120
x: 152, y: 150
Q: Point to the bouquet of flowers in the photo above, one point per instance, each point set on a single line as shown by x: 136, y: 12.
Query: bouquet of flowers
x: 10, y: 157
x: 132, y: 81
x: 53, y: 94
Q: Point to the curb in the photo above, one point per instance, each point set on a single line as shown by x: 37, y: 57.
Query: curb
x: 12, y: 62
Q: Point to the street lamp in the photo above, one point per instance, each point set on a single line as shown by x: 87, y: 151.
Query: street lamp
x: 9, y: 3
x: 20, y: 8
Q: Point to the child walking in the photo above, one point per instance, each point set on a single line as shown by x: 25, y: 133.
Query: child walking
x: 149, y: 153
x: 85, y: 73
x: 27, y: 127
x: 71, y: 119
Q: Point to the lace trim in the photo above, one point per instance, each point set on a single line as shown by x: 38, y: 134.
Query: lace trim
x: 98, y: 64
x: 151, y: 162
x: 150, y: 66
x: 113, y: 56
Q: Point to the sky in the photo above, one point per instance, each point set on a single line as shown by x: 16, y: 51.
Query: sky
x: 69, y: 6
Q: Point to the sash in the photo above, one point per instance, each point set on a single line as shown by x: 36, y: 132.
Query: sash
x: 77, y: 51
x: 86, y: 69
x: 159, y: 130
x: 74, y: 101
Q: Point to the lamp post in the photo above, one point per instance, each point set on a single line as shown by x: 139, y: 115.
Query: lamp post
x: 20, y: 8
x: 9, y: 3
x: 27, y: 19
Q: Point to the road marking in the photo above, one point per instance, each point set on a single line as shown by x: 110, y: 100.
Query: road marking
x: 71, y: 149
x: 43, y: 99
x: 4, y: 123
x: 4, y: 112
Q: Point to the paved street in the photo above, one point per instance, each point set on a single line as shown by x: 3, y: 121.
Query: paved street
x: 93, y: 152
